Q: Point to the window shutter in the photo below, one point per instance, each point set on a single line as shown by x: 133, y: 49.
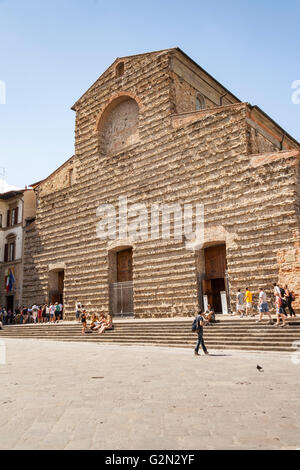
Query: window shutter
x: 13, y: 252
x: 16, y: 215
x: 5, y: 253
x: 8, y: 218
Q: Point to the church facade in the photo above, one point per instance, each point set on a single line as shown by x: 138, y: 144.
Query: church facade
x: 157, y: 133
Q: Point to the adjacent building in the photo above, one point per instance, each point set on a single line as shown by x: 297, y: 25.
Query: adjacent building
x: 15, y: 208
x: 156, y: 129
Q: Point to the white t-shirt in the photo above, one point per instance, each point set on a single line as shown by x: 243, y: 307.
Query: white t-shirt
x: 239, y: 298
x: 262, y: 297
x: 277, y: 289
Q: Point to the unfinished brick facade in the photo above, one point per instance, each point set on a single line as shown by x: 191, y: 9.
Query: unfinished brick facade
x: 139, y: 134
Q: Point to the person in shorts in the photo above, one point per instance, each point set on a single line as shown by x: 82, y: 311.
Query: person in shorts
x: 78, y: 308
x: 52, y: 313
x: 248, y: 300
x: 279, y: 311
x: 57, y: 312
x: 83, y: 321
x: 263, y: 307
x: 240, y: 303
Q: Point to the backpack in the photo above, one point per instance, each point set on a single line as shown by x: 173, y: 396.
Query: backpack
x: 282, y: 292
x: 195, y: 325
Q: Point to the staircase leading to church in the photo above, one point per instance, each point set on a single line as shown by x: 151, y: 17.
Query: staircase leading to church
x: 241, y: 334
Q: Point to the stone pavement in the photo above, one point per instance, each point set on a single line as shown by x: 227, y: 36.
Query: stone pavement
x: 57, y: 395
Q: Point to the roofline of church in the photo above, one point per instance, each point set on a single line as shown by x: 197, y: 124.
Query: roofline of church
x: 35, y: 185
x: 157, y: 52
x: 116, y: 60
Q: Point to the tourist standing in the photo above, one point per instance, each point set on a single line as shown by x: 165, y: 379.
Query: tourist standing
x: 288, y: 295
x: 40, y: 314
x: 48, y: 313
x: 199, y: 330
x: 34, y: 310
x: 83, y: 322
x: 44, y: 314
x: 61, y: 307
x: 52, y: 313
x: 78, y: 308
x: 57, y: 312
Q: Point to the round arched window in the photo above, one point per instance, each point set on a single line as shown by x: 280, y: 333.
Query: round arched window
x: 120, y: 68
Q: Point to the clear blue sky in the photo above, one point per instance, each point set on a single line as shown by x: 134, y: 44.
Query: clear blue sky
x: 52, y: 51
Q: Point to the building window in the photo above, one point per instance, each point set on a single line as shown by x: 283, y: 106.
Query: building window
x: 9, y: 252
x: 12, y: 251
x: 0, y: 220
x: 200, y: 102
x: 8, y: 218
x: 120, y: 69
x: 14, y: 216
x: 6, y: 252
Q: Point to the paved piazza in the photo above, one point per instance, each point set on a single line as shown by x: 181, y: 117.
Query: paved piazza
x: 58, y: 395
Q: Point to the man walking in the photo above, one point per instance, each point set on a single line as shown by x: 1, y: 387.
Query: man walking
x: 248, y: 300
x: 240, y: 303
x: 263, y: 307
x: 199, y: 330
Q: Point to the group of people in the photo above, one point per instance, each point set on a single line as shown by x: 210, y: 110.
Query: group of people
x: 47, y: 313
x: 99, y: 323
x: 283, y: 298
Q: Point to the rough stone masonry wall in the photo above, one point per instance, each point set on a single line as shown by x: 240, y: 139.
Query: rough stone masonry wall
x: 204, y: 161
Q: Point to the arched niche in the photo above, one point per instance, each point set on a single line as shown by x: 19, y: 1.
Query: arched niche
x: 118, y: 125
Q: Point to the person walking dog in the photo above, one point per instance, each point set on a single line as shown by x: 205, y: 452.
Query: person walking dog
x: 197, y: 327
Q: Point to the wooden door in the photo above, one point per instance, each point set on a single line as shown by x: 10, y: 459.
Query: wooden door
x: 124, y: 265
x: 61, y: 276
x: 215, y: 262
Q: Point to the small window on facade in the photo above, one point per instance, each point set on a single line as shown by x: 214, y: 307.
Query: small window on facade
x: 0, y: 220
x: 5, y: 252
x: 8, y: 219
x: 200, y: 103
x: 120, y: 69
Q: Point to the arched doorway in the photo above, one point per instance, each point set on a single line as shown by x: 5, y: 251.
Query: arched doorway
x: 212, y: 277
x: 121, y: 282
x: 56, y: 286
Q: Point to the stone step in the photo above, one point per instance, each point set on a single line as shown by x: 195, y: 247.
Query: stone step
x: 190, y: 340
x: 213, y: 345
x: 229, y: 334
x: 272, y: 331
